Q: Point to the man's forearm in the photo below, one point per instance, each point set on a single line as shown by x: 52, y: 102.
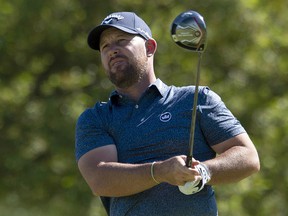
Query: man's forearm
x: 117, y: 179
x: 233, y: 165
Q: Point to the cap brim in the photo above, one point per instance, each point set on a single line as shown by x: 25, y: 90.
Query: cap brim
x: 94, y: 35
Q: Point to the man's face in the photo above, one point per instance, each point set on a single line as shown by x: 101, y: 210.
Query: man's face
x: 123, y: 56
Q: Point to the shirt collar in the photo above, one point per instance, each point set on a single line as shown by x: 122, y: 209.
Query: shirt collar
x: 158, y: 85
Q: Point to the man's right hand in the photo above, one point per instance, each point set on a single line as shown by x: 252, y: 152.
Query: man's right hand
x: 175, y: 172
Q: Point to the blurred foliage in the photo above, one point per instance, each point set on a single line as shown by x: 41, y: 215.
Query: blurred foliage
x: 48, y: 76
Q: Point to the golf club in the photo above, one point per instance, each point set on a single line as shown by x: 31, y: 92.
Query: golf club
x: 188, y: 30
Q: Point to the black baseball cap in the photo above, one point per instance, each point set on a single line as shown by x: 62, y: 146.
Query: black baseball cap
x: 125, y: 21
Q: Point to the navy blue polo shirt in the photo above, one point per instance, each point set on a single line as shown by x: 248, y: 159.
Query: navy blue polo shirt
x: 155, y: 128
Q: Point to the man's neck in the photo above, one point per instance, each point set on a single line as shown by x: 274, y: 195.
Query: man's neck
x: 135, y: 91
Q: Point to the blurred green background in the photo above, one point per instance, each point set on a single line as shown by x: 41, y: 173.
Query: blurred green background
x: 48, y: 76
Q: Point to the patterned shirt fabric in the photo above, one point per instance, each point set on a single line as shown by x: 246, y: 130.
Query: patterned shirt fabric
x: 156, y: 128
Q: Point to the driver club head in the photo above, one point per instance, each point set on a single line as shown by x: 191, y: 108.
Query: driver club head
x: 188, y: 30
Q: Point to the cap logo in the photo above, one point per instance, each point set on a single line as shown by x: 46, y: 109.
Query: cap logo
x: 143, y: 31
x: 109, y: 18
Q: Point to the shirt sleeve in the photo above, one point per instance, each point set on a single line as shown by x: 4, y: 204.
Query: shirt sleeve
x: 217, y: 122
x: 90, y: 133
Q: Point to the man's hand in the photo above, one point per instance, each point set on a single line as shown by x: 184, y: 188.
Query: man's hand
x: 175, y: 172
x: 195, y: 186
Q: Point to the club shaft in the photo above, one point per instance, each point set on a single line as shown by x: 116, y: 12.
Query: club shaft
x: 194, y: 114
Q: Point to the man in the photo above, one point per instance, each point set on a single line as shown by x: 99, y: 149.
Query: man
x: 131, y: 150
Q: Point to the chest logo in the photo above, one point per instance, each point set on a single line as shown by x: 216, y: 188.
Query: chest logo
x: 165, y: 117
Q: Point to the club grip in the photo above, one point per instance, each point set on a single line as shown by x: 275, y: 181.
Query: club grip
x: 189, y: 161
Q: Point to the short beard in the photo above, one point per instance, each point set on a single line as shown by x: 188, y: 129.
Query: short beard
x: 130, y: 75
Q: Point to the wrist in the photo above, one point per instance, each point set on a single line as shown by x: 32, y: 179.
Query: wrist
x: 152, y: 173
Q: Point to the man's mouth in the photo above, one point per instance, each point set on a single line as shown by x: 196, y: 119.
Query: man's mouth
x: 116, y: 61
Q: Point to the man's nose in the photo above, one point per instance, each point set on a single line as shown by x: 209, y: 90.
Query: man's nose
x: 113, y: 50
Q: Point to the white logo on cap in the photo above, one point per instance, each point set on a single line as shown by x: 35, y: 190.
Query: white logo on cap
x: 143, y: 31
x: 109, y: 18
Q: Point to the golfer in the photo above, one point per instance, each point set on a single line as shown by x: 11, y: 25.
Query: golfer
x: 131, y: 150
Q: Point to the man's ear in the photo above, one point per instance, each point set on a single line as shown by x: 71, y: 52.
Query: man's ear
x: 151, y: 47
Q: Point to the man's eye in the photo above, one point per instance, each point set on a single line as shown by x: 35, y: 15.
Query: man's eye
x: 122, y: 41
x: 104, y: 46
